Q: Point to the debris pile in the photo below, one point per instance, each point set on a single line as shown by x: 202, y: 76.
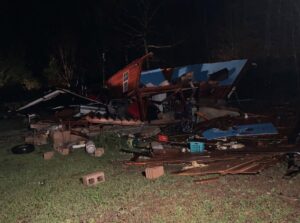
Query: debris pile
x: 170, y: 116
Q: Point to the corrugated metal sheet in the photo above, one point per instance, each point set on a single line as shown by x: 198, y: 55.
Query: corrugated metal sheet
x: 201, y: 72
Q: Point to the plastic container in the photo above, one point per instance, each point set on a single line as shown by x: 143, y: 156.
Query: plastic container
x: 197, y: 147
x: 90, y: 147
x: 163, y: 138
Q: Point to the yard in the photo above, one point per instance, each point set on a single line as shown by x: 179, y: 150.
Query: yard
x: 36, y: 190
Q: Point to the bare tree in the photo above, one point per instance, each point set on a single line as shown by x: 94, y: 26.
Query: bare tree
x: 61, y: 70
x: 66, y: 56
x: 139, y: 27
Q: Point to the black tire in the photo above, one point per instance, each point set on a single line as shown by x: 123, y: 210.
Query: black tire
x: 23, y: 149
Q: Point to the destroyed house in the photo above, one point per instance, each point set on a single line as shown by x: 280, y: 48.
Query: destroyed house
x: 211, y: 80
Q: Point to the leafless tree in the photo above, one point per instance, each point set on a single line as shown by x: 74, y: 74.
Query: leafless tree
x: 66, y: 56
x: 139, y: 27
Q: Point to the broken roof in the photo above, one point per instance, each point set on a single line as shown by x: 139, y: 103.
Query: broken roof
x: 201, y: 72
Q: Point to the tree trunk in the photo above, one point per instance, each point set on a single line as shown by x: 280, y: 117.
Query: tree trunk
x: 146, y: 51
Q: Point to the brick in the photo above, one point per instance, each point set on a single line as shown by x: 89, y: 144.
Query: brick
x: 66, y: 136
x: 40, y: 139
x: 99, y: 152
x: 60, y: 138
x: 48, y: 155
x: 57, y: 139
x: 39, y: 126
x: 76, y: 138
x: 63, y: 151
x: 29, y: 139
x: 93, y: 178
x: 154, y: 172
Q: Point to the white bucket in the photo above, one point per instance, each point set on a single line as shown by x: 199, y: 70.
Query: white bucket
x: 90, y: 147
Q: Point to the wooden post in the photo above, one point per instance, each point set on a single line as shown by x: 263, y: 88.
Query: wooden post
x: 141, y: 104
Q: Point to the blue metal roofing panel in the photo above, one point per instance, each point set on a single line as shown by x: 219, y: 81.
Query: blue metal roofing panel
x: 241, y: 130
x: 201, y: 72
x: 152, y: 76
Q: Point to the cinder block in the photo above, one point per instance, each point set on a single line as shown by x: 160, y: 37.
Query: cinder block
x: 93, y: 178
x: 48, y: 155
x: 99, y: 152
x: 154, y: 172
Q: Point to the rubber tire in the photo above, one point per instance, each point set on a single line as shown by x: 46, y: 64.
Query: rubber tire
x: 23, y: 149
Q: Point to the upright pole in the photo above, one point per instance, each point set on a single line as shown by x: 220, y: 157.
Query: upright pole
x: 103, y: 68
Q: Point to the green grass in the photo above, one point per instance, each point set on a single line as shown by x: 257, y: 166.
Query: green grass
x: 35, y: 190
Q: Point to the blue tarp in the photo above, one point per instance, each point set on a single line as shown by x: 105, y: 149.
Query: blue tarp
x: 241, y: 130
x: 201, y: 72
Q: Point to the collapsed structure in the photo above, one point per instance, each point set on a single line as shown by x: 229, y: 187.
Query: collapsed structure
x: 177, y: 116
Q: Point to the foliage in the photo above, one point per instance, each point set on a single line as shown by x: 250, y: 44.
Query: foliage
x: 61, y: 67
x: 52, y: 73
x: 13, y: 71
x: 178, y: 32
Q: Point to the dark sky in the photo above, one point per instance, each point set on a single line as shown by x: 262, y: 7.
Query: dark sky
x: 196, y: 31
x: 36, y: 27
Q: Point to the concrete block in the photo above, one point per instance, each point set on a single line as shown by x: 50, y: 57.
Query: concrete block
x: 99, y: 152
x: 93, y: 178
x: 154, y: 172
x: 48, y: 155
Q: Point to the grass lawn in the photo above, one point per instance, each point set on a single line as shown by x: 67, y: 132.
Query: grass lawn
x: 35, y: 190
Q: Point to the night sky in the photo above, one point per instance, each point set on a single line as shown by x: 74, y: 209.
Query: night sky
x: 34, y: 33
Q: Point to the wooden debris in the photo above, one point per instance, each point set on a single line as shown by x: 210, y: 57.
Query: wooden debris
x: 110, y: 121
x: 248, y: 165
x: 208, y: 180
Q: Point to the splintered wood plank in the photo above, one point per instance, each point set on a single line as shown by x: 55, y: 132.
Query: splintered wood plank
x: 238, y: 166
